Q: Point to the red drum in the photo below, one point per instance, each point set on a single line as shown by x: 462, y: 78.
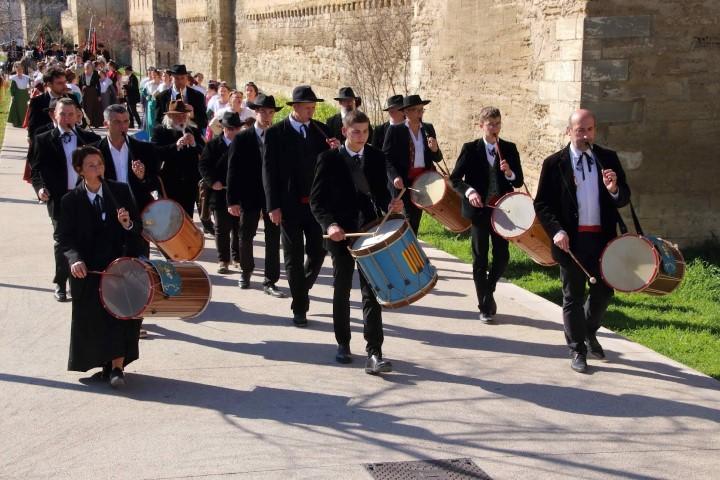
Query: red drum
x: 433, y: 193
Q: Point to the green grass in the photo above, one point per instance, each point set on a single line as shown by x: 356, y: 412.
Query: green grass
x: 4, y: 111
x: 684, y: 325
x: 323, y: 110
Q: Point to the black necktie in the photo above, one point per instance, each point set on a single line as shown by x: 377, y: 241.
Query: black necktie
x: 304, y: 130
x: 589, y: 162
x: 97, y: 203
x: 66, y: 137
x: 178, y: 96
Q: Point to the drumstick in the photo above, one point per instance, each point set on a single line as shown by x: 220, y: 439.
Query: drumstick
x: 355, y: 234
x: 592, y: 279
x: 104, y: 273
x: 414, y: 189
x: 497, y: 146
x: 387, y: 215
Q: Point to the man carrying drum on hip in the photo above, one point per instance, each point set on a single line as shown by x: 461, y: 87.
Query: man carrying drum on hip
x: 580, y: 189
x: 486, y: 169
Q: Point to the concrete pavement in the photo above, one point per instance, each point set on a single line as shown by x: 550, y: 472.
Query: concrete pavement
x: 240, y: 393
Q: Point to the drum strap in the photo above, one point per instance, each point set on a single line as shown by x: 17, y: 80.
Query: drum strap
x: 666, y: 257
x: 169, y: 279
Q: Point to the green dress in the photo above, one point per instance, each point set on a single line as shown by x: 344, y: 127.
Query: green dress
x: 20, y: 93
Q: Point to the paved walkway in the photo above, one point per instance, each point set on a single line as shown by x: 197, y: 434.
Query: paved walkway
x: 240, y: 393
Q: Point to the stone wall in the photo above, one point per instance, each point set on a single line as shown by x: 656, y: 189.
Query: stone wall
x: 10, y: 21
x: 35, y: 13
x: 154, y: 33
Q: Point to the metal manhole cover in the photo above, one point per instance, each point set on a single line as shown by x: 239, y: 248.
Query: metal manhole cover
x: 450, y: 469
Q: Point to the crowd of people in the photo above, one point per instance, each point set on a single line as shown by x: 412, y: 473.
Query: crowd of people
x: 218, y: 150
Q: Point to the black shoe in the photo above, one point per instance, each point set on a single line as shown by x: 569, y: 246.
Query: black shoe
x: 488, y: 304
x: 244, y: 281
x: 117, y: 378
x: 343, y: 354
x: 208, y: 228
x: 273, y: 291
x: 594, y: 347
x: 103, y: 375
x: 299, y: 320
x: 486, y: 318
x: 60, y: 293
x: 579, y: 363
x: 375, y: 364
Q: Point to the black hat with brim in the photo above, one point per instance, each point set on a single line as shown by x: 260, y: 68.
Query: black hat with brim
x: 346, y: 93
x: 304, y: 94
x: 231, y: 120
x: 264, y: 101
x: 412, y: 101
x: 396, y: 101
x: 179, y: 70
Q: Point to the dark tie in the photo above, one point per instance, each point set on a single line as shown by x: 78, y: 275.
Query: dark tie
x: 491, y: 152
x: 178, y: 96
x: 304, y: 130
x: 97, y: 203
x: 589, y: 162
x: 66, y: 137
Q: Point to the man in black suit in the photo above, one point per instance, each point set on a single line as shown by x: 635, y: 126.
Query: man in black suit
x: 291, y: 150
x: 55, y: 87
x: 411, y: 148
x: 181, y: 91
x: 213, y: 167
x: 486, y: 169
x: 349, y: 190
x: 53, y: 175
x: 246, y: 196
x: 580, y: 189
x: 348, y: 102
x: 132, y: 96
x: 393, y: 107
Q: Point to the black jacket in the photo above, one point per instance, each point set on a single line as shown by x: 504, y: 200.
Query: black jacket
x: 334, y: 197
x: 179, y: 168
x: 194, y: 98
x: 94, y: 82
x: 213, y: 167
x: 132, y: 90
x: 556, y: 200
x: 396, y: 148
x: 378, y: 136
x: 38, y: 115
x: 244, y: 172
x: 49, y: 165
x: 289, y: 165
x: 334, y: 126
x: 471, y: 170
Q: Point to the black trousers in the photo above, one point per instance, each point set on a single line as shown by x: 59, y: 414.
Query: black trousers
x: 249, y: 220
x: 413, y: 213
x: 132, y: 110
x: 227, y: 238
x: 302, y: 236
x: 343, y: 268
x: 583, y: 316
x: 62, y: 269
x: 481, y: 234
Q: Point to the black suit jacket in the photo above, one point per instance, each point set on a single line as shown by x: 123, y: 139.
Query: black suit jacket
x: 38, y: 115
x: 471, y: 170
x: 378, y: 136
x: 94, y: 82
x: 289, y: 165
x: 149, y: 155
x: 334, y: 126
x: 179, y: 168
x: 334, y: 198
x: 396, y: 148
x: 556, y: 200
x: 213, y: 167
x: 194, y: 98
x: 132, y: 90
x: 244, y: 172
x: 49, y: 166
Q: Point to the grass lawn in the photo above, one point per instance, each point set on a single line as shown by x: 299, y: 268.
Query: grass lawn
x: 684, y: 325
x: 4, y: 111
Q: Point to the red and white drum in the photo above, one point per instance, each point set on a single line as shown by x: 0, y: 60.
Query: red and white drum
x: 632, y: 263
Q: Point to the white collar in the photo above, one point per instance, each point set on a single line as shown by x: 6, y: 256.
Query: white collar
x: 92, y: 195
x: 259, y: 131
x: 351, y: 153
x: 575, y: 154
x: 296, y: 124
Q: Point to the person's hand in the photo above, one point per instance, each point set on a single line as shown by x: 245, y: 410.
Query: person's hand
x: 44, y: 195
x: 124, y: 218
x: 562, y: 240
x: 336, y: 233
x: 235, y: 210
x: 610, y: 181
x: 333, y: 142
x: 217, y: 186
x: 138, y: 169
x: 395, y: 206
x: 78, y: 269
x: 475, y: 200
x: 432, y: 144
x: 276, y: 216
x: 398, y: 183
x: 505, y: 168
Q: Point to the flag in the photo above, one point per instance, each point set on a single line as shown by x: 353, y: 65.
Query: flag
x: 41, y: 42
x: 93, y: 42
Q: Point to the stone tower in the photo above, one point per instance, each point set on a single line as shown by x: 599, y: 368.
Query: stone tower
x: 110, y: 18
x: 37, y: 13
x: 153, y: 33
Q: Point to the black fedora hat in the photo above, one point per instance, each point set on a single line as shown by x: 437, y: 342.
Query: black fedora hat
x: 179, y: 70
x: 346, y: 93
x: 263, y: 101
x: 231, y: 120
x: 413, y: 100
x: 304, y: 94
x: 396, y: 101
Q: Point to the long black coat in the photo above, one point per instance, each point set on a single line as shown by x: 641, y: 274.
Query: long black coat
x: 334, y: 127
x: 471, y: 170
x: 195, y: 98
x: 213, y: 166
x: 397, y: 145
x: 179, y: 168
x: 556, y: 200
x: 38, y: 115
x: 132, y: 90
x: 244, y: 173
x: 96, y: 337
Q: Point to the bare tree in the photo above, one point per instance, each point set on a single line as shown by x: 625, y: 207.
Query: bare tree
x: 113, y: 34
x: 142, y: 42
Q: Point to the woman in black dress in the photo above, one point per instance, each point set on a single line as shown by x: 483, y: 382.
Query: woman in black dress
x: 99, y: 223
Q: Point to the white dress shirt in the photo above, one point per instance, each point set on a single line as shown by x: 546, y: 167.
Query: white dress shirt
x: 489, y: 148
x: 121, y: 161
x: 419, y: 144
x: 69, y: 148
x: 298, y: 126
x: 260, y: 133
x: 588, y: 192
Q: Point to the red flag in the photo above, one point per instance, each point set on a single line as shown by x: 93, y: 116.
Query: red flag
x: 41, y: 45
x: 93, y: 42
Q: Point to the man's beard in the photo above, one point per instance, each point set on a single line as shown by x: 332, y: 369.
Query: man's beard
x: 180, y: 127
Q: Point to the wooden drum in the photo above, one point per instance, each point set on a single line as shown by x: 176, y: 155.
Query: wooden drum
x: 168, y: 226
x: 130, y: 288
x: 434, y: 194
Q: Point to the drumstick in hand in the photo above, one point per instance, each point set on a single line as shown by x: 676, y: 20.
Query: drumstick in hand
x: 592, y: 279
x: 353, y: 235
x: 387, y: 215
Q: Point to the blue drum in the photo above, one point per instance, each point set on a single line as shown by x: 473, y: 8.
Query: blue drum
x: 394, y: 263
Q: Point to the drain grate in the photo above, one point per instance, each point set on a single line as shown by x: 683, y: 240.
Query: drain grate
x: 450, y: 469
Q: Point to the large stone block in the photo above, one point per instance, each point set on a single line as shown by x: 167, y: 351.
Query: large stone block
x: 617, y: 112
x: 560, y: 71
x: 605, y: 70
x: 618, y: 27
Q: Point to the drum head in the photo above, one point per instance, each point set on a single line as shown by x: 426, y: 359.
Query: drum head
x: 629, y: 263
x: 513, y: 215
x: 431, y: 186
x: 385, y: 232
x: 126, y: 291
x: 162, y: 219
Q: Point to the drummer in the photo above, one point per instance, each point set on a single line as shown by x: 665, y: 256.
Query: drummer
x: 349, y: 188
x: 580, y: 214
x: 99, y: 223
x: 482, y: 175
